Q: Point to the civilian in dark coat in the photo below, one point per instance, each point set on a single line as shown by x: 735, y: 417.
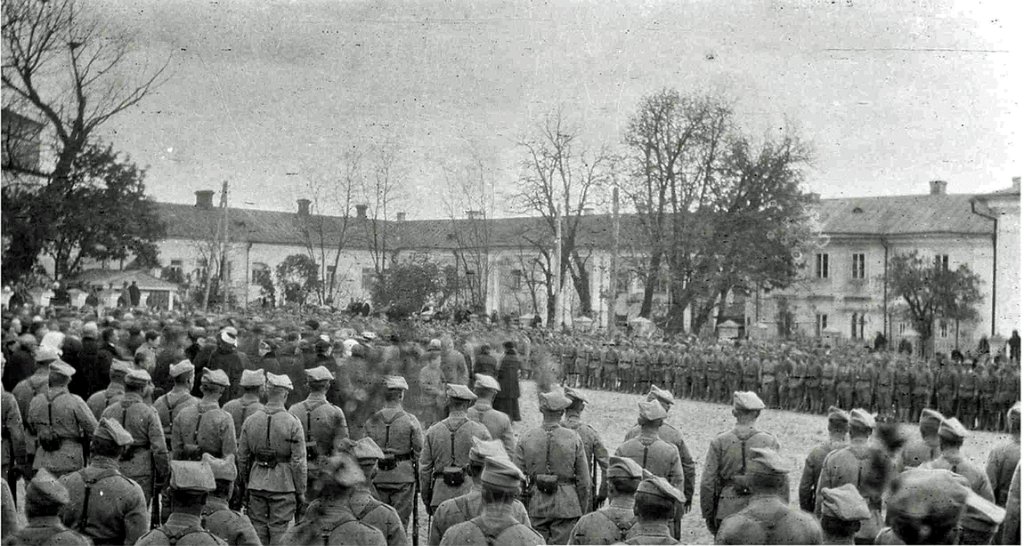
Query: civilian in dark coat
x: 134, y: 294
x: 100, y: 374
x: 507, y: 400
x: 71, y: 352
x: 227, y: 358
x: 485, y: 364
x: 22, y: 363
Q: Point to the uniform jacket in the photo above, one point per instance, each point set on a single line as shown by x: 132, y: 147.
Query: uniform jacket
x: 592, y: 444
x: 234, y: 528
x: 286, y: 438
x: 13, y: 430
x: 456, y: 431
x: 496, y: 525
x: 149, y: 457
x: 497, y: 423
x: 917, y: 453
x: 852, y: 464
x: 334, y: 519
x: 650, y: 533
x: 117, y: 507
x: 461, y: 509
x: 206, y: 425
x: 103, y: 399
x: 719, y: 496
x: 674, y: 437
x: 1001, y: 464
x: 169, y: 405
x: 187, y: 528
x: 606, y: 526
x: 241, y: 408
x: 554, y: 449
x: 812, y: 471
x: 656, y: 455
x: 397, y: 431
x: 958, y: 465
x: 769, y: 520
x: 46, y: 531
x: 378, y: 515
x: 71, y: 420
x: 323, y: 425
x: 29, y: 388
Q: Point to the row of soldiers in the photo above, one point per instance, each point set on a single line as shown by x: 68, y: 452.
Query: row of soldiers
x: 978, y: 391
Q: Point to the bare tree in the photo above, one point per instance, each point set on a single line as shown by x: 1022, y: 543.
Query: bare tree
x: 470, y: 191
x: 563, y: 180
x: 61, y: 62
x: 380, y: 190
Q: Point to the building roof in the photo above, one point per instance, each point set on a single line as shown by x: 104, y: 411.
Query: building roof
x: 113, y: 278
x: 872, y: 216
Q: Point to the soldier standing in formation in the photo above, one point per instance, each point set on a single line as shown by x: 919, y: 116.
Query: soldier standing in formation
x: 926, y: 449
x: 838, y: 428
x: 362, y: 501
x: 103, y: 399
x: 146, y: 460
x: 191, y: 483
x: 229, y: 525
x: 45, y: 497
x: 497, y: 423
x: 673, y: 437
x: 61, y: 424
x: 610, y: 525
x: 555, y: 463
x: 204, y: 427
x: 654, y: 506
x: 1004, y: 458
x: 842, y: 512
x: 180, y: 397
x: 323, y: 423
x: 853, y: 464
x: 446, y: 447
x: 329, y: 520
x: 592, y: 445
x: 400, y: 437
x: 500, y: 483
x: 253, y: 384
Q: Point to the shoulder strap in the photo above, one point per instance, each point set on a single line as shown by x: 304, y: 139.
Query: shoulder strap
x: 743, y: 454
x: 644, y: 463
x: 199, y: 421
x: 309, y: 414
x: 623, y: 527
x: 371, y: 505
x: 173, y: 538
x: 463, y: 505
x: 490, y: 537
x: 270, y: 417
x: 451, y: 436
x: 89, y: 482
x: 327, y: 530
x: 387, y: 427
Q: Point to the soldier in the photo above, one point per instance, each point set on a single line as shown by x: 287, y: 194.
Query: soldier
x: 37, y: 383
x: 592, y: 379
x: 204, y: 427
x: 699, y: 381
x: 967, y: 396
x: 829, y: 375
x: 592, y: 445
x: 681, y: 373
x: 923, y: 383
x: 863, y: 384
x: 1009, y: 385
x: 61, y: 423
x: 432, y: 386
x: 838, y: 427
x: 104, y: 505
x: 842, y: 511
x: 362, y: 501
x: 555, y: 462
x: 399, y: 435
x: 323, y: 423
x: 654, y: 504
x: 44, y: 499
x: 927, y: 448
x: 483, y: 412
x: 643, y: 369
x: 169, y: 405
x: 102, y: 400
x: 845, y: 381
x: 721, y: 494
x: 674, y: 437
x: 946, y: 381
x: 1004, y: 458
x: 461, y: 509
x: 767, y: 519
x: 253, y: 385
x: 885, y: 386
x: 609, y: 368
x: 272, y: 463
x: 145, y: 461
x: 988, y: 399
x: 783, y: 371
x: 1011, y: 526
x: 812, y: 384
x: 904, y: 390
x: 14, y: 448
x: 853, y: 464
x: 625, y: 368
x: 500, y: 483
x: 191, y: 483
x: 446, y: 450
x: 951, y: 439
x: 798, y: 372
x: 229, y: 525
x: 769, y: 385
x: 610, y: 525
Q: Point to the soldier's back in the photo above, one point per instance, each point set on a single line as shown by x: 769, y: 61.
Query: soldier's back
x: 1001, y: 463
x: 768, y: 520
x: 46, y: 535
x: 974, y: 474
x: 917, y: 453
x: 240, y: 409
x: 180, y: 536
x: 233, y: 527
x: 102, y: 400
x: 203, y: 427
x: 462, y: 509
x: 492, y: 532
x: 378, y: 515
x: 605, y: 526
x: 655, y: 455
x: 339, y: 527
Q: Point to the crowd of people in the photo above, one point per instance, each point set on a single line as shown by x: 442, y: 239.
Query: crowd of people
x: 139, y: 428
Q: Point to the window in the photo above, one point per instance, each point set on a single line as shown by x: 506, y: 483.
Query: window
x: 331, y: 272
x: 516, y: 281
x: 821, y: 266
x: 821, y: 324
x: 369, y: 275
x: 260, y: 273
x: 942, y: 260
x: 661, y: 284
x: 903, y: 328
x: 858, y: 266
x: 622, y: 282
x: 857, y: 322
x: 943, y: 329
x: 176, y: 265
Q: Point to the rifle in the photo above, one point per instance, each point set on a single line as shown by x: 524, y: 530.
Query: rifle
x: 416, y: 502
x: 593, y: 482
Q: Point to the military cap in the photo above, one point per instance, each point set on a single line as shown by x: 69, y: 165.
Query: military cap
x: 837, y: 415
x: 222, y: 468
x: 1014, y: 412
x: 110, y: 429
x: 137, y: 377
x: 44, y: 489
x: 509, y: 345
x: 253, y: 378
x: 931, y: 417
x: 196, y: 332
x: 764, y: 460
x: 395, y: 382
x: 482, y: 449
x: 747, y: 401
x: 216, y: 377
x: 121, y: 367
x: 983, y: 512
x: 229, y: 335
x: 651, y: 410
x: 920, y: 493
x: 182, y: 367
x: 320, y: 373
x: 368, y: 336
x: 366, y: 448
x: 459, y: 392
x: 554, y: 401
x: 280, y: 381
x: 952, y: 429
x: 661, y: 395
x: 344, y: 469
x: 45, y: 353
x: 435, y: 345
x: 501, y: 473
x: 574, y: 394
x: 192, y: 476
x: 90, y: 329
x: 861, y: 418
x: 659, y: 487
x: 62, y: 368
x: 487, y: 382
x: 624, y: 467
x: 322, y: 345
x: 844, y: 503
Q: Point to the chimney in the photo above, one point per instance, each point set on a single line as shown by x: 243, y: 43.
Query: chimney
x: 938, y: 187
x: 204, y: 199
x: 474, y: 214
x: 400, y: 217
x: 814, y: 197
x: 303, y: 207
x: 361, y: 211
x: 1016, y: 184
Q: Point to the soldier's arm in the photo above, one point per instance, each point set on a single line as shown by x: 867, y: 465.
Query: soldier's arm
x: 86, y: 420
x: 136, y: 513
x: 158, y: 449
x: 689, y: 470
x: 1011, y: 525
x: 298, y: 458
x: 708, y: 483
x: 246, y: 535
x: 227, y: 429
x: 341, y: 425
x: 243, y: 454
x: 426, y: 473
x: 177, y: 442
x: 434, y: 536
x: 993, y: 468
x: 508, y: 438
x: 12, y: 419
x: 518, y: 457
x: 985, y: 488
x: 675, y: 475
x: 600, y: 452
x: 395, y: 529
x: 583, y: 475
x: 824, y: 481
x: 805, y: 490
x: 417, y: 434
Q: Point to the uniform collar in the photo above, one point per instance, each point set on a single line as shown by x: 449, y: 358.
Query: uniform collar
x: 132, y: 397
x: 483, y: 405
x: 249, y: 398
x: 115, y: 388
x: 181, y: 519
x: 99, y: 461
x: 624, y: 502
x: 208, y: 405
x: 649, y: 529
x: 46, y: 521
x: 57, y: 391
x: 215, y: 504
x: 551, y: 425
x: 317, y: 397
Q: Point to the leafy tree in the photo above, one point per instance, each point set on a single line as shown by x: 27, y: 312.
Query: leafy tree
x: 405, y: 287
x: 103, y: 214
x: 932, y: 291
x: 298, y: 276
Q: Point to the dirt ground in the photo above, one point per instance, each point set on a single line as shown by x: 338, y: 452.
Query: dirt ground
x: 612, y: 414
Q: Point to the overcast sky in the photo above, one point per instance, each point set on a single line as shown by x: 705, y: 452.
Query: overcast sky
x: 890, y: 97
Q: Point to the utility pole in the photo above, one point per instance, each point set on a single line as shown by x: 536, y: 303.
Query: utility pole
x: 557, y: 268
x: 220, y: 237
x: 613, y: 278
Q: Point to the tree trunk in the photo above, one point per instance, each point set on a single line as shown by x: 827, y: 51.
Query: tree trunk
x: 701, y: 314
x: 653, y: 269
x: 581, y: 280
x: 551, y: 312
x: 676, y: 321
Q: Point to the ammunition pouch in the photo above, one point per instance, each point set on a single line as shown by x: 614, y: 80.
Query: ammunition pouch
x: 133, y: 449
x: 266, y: 457
x: 546, y: 483
x: 453, y: 476
x: 191, y: 452
x: 741, y: 484
x: 49, y: 440
x: 388, y: 462
x: 312, y: 451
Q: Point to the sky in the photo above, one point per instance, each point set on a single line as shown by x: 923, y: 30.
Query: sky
x: 269, y: 94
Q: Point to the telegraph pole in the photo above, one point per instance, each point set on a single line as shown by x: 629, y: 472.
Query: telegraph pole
x: 613, y: 266
x: 220, y: 237
x: 557, y: 268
